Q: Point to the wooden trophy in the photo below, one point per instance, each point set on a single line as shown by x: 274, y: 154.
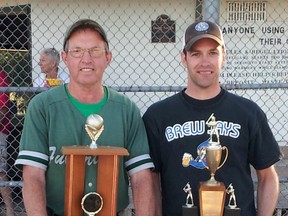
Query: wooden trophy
x: 212, y: 193
x: 104, y: 202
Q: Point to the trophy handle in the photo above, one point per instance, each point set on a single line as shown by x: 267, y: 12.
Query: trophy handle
x: 226, y: 156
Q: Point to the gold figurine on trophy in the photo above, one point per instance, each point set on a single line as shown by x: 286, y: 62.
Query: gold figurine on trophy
x: 231, y: 209
x: 189, y: 198
x: 94, y: 127
x: 189, y: 209
x: 232, y: 199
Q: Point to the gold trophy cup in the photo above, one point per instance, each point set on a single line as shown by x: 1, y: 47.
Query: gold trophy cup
x: 213, y: 159
x: 212, y: 193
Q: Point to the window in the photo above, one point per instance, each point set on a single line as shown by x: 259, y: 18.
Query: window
x: 246, y: 11
x: 15, y: 44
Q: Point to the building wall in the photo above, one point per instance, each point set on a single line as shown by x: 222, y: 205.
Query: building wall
x: 128, y: 26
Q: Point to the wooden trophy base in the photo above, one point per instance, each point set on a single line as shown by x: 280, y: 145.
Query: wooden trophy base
x: 189, y: 211
x: 212, y: 198
x: 107, y: 178
x: 232, y: 211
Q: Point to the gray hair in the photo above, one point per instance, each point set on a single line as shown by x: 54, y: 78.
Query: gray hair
x: 52, y: 53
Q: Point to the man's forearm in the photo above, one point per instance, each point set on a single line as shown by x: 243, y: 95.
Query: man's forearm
x: 34, y: 198
x: 267, y: 193
x: 34, y: 194
x: 144, y: 194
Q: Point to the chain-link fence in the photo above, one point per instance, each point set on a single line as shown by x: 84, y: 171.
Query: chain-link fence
x: 146, y: 39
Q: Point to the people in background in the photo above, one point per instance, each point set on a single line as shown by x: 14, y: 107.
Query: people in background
x: 51, y: 75
x: 177, y: 130
x: 4, y: 131
x: 57, y: 118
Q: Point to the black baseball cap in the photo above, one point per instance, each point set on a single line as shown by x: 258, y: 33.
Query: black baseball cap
x: 200, y: 30
x: 83, y: 24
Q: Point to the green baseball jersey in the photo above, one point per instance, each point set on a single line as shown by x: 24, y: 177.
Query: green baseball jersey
x: 52, y: 122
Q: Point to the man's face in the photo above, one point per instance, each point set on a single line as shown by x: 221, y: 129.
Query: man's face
x: 204, y: 62
x: 46, y: 64
x: 86, y: 70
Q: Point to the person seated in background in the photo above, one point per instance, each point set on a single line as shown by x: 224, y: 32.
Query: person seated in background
x: 49, y: 64
x: 4, y: 131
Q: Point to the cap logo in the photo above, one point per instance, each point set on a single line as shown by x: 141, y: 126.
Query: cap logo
x: 202, y: 26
